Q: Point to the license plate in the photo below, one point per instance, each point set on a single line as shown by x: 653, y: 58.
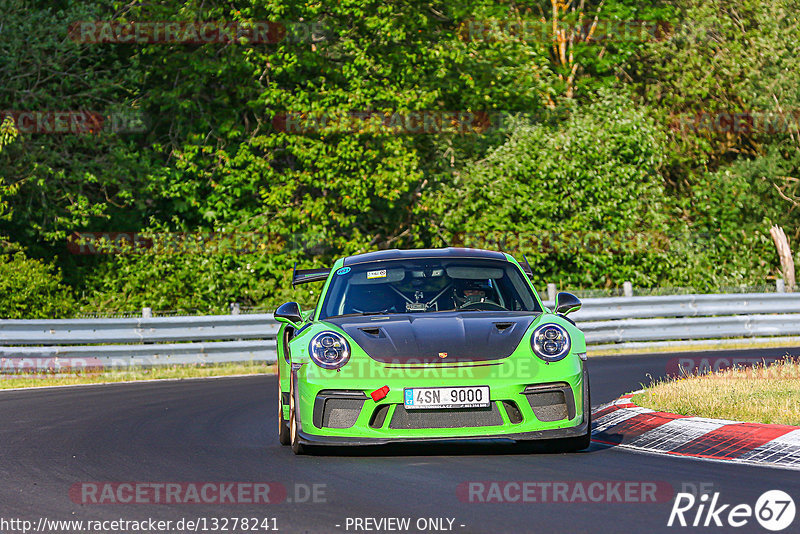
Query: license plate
x: 458, y: 397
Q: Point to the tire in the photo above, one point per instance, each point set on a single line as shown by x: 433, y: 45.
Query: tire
x: 577, y: 444
x: 297, y: 447
x: 581, y: 442
x: 283, y: 426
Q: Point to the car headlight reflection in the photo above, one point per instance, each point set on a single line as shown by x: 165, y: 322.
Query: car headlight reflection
x: 550, y: 342
x: 329, y: 350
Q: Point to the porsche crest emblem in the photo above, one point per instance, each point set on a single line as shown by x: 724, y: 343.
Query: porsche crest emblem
x: 443, y: 355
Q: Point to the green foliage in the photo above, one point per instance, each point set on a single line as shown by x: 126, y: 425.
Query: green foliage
x: 725, y: 56
x: 32, y: 289
x: 7, y: 134
x: 731, y: 180
x: 728, y: 212
x: 582, y: 197
x: 592, y: 173
x: 184, y: 282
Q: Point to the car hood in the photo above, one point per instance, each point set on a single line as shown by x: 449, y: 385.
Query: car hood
x: 441, y: 337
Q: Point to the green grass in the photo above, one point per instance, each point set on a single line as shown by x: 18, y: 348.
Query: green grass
x: 762, y: 394
x: 732, y: 344
x: 175, y: 372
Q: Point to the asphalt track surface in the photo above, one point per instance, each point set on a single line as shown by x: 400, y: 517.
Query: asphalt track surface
x: 224, y: 430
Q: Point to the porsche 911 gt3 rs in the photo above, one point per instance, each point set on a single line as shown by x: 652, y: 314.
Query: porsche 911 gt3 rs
x: 435, y: 344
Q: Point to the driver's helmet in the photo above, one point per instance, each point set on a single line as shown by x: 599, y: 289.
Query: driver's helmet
x: 469, y: 291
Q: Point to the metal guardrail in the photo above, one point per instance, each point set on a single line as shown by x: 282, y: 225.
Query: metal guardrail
x: 605, y: 309
x: 614, y: 322
x: 628, y: 322
x: 137, y: 330
x: 140, y: 342
x: 691, y: 328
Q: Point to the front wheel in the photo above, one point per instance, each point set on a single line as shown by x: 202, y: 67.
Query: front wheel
x: 283, y: 425
x: 578, y: 443
x: 581, y: 442
x: 297, y: 447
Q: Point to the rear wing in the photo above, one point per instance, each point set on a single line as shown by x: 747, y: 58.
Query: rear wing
x: 526, y: 268
x: 304, y: 276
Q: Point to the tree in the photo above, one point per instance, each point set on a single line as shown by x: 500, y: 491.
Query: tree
x: 582, y: 197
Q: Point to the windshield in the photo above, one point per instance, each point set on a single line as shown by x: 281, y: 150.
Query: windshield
x: 428, y: 285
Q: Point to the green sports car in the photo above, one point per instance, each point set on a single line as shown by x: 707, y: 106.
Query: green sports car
x: 437, y: 344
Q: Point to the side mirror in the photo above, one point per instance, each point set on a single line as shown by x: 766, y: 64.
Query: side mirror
x: 567, y: 303
x: 289, y: 312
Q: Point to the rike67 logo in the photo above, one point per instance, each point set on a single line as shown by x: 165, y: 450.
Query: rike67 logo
x: 774, y: 510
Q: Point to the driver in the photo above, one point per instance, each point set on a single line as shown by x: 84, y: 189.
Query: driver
x: 466, y: 292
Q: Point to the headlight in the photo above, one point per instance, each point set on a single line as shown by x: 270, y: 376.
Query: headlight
x: 550, y: 342
x: 329, y: 350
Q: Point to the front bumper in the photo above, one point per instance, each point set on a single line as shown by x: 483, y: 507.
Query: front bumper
x: 557, y: 433
x: 512, y: 417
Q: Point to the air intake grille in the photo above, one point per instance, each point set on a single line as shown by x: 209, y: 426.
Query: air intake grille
x: 379, y: 416
x: 337, y: 408
x: 341, y: 413
x: 548, y: 406
x: 551, y: 402
x: 447, y: 418
x: 512, y: 410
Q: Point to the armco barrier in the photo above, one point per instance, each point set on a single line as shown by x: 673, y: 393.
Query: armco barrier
x: 137, y: 330
x: 608, y: 323
x: 629, y: 322
x: 141, y: 342
x: 604, y: 309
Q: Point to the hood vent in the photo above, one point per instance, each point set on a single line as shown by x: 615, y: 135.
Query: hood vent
x: 502, y: 327
x: 371, y: 330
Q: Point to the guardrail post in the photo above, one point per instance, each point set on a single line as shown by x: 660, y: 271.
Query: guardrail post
x: 235, y: 308
x: 551, y: 292
x: 627, y: 289
x: 147, y: 313
x: 780, y: 285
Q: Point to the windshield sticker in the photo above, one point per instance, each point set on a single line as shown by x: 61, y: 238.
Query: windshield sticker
x: 343, y: 270
x: 376, y: 274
